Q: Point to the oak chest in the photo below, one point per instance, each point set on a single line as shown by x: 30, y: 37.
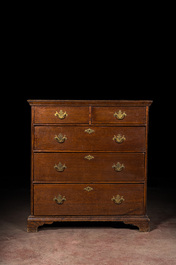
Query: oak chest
x: 88, y: 161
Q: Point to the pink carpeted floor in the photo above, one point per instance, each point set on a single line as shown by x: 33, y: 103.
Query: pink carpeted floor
x: 88, y: 243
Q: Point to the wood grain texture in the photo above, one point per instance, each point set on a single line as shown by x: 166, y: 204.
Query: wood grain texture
x: 142, y: 222
x: 100, y: 139
x: 75, y: 114
x: 82, y: 202
x: 128, y: 103
x: 106, y: 115
x: 32, y: 162
x: 79, y: 169
x: 98, y: 173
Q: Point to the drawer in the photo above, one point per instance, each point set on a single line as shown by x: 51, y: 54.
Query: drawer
x: 88, y: 167
x: 118, y: 115
x: 61, y: 114
x: 84, y: 199
x: 89, y: 139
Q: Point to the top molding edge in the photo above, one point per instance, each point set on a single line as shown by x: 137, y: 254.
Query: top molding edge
x: 139, y: 103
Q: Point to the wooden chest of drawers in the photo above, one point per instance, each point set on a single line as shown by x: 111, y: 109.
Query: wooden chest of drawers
x: 88, y: 161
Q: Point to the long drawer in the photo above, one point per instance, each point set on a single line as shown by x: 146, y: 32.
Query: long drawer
x: 93, y: 199
x: 89, y: 139
x: 88, y: 167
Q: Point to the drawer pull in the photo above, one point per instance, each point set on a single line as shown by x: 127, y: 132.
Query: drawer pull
x: 60, y: 199
x: 89, y: 157
x: 118, y: 199
x: 89, y: 131
x: 120, y: 115
x: 88, y: 189
x: 61, y: 115
x: 60, y: 138
x: 118, y: 167
x: 119, y: 138
x: 60, y: 167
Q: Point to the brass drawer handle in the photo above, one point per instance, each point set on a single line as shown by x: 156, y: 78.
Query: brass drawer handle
x: 61, y: 115
x: 60, y: 138
x: 60, y: 199
x: 88, y: 189
x: 89, y: 157
x: 89, y: 131
x: 60, y: 167
x: 118, y: 167
x: 118, y: 199
x: 120, y: 115
x: 119, y: 138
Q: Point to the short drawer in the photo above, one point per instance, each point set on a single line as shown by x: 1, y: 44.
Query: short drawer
x: 88, y: 167
x: 119, y: 115
x: 62, y: 114
x: 84, y: 199
x: 89, y: 139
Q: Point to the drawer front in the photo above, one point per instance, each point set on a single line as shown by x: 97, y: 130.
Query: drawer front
x: 61, y: 114
x: 118, y: 115
x: 84, y: 199
x: 90, y: 139
x: 88, y: 167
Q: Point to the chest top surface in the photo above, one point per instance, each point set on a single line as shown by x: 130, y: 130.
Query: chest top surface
x: 92, y: 102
